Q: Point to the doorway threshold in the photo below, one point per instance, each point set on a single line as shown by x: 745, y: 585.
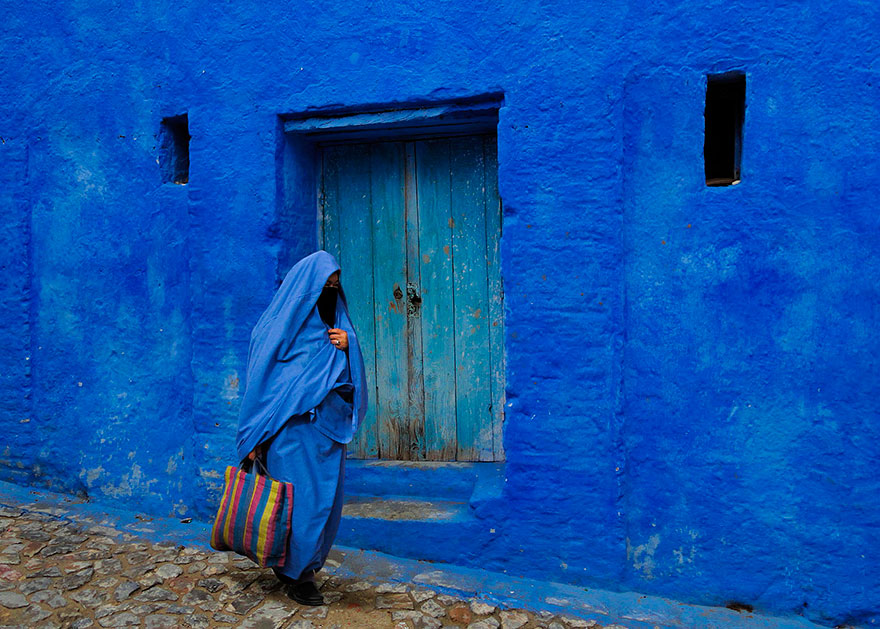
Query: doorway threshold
x: 464, y: 482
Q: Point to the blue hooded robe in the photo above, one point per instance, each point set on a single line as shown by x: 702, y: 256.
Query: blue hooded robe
x: 303, y: 401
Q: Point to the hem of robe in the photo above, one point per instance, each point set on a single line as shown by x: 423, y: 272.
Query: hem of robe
x: 301, y: 454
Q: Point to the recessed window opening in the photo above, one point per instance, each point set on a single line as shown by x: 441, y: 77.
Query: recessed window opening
x: 725, y: 111
x: 174, y: 149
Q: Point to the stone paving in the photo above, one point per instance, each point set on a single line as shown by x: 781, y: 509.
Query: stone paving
x: 56, y: 573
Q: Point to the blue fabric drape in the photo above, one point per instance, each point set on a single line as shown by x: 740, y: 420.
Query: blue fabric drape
x: 292, y: 366
x: 315, y: 464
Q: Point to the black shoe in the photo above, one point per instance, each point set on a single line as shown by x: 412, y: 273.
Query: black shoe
x: 305, y: 593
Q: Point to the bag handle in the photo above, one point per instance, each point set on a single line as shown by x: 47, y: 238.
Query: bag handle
x: 262, y: 466
x: 247, y: 465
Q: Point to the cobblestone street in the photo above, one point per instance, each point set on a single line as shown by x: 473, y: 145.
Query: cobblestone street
x: 69, y: 563
x: 57, y: 573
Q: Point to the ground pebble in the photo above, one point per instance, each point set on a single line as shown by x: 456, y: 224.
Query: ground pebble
x: 109, y: 566
x: 331, y: 597
x: 391, y: 588
x: 169, y: 571
x: 125, y: 590
x: 214, y: 570
x: 35, y: 615
x: 513, y: 620
x: 10, y: 559
x: 433, y: 609
x: 109, y: 610
x: 34, y: 585
x: 123, y: 619
x: 200, y: 622
x: 315, y: 612
x: 50, y: 597
x: 244, y: 603
x: 459, y: 613
x: 272, y: 614
x: 420, y: 596
x: 427, y: 622
x: 155, y: 594
x: 481, y: 609
x: 577, y: 623
x: 89, y: 597
x: 160, y: 621
x: 447, y: 600
x: 394, y: 601
x: 212, y: 585
x: 12, y: 600
x: 105, y: 583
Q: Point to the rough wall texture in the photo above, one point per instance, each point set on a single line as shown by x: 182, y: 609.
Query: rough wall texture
x: 15, y: 312
x: 692, y: 373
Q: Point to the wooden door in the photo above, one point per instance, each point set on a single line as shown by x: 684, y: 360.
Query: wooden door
x: 415, y: 226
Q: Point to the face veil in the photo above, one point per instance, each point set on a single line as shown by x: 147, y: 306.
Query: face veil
x: 327, y: 305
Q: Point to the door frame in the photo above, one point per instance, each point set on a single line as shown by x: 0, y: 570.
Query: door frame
x: 299, y: 208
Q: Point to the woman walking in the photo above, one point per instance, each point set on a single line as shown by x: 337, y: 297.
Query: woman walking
x: 305, y: 396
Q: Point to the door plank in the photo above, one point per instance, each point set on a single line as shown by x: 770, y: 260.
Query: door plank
x: 350, y: 213
x: 438, y: 331
x: 472, y: 366
x: 492, y: 204
x: 330, y: 158
x: 416, y: 388
x: 389, y: 290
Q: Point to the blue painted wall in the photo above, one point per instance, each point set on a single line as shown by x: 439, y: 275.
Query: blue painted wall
x: 692, y: 373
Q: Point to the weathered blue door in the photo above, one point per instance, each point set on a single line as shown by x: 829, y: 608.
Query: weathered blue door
x: 415, y: 226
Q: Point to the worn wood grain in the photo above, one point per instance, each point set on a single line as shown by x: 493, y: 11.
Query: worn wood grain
x: 389, y: 281
x: 330, y: 165
x: 350, y: 214
x: 492, y: 205
x: 472, y: 360
x: 438, y: 332
x: 415, y: 415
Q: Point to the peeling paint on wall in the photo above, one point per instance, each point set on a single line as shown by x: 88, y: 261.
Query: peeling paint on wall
x: 230, y: 387
x: 642, y: 556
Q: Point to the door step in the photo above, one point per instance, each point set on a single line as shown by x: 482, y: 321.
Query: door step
x: 426, y: 510
x: 434, y: 530
x: 426, y: 480
x: 401, y: 508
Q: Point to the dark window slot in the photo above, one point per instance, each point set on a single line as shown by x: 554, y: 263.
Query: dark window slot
x: 174, y: 149
x: 725, y: 111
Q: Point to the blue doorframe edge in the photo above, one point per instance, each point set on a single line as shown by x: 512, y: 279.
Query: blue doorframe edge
x: 475, y: 115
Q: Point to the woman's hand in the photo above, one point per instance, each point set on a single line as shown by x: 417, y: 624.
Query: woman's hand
x: 258, y: 451
x: 339, y: 338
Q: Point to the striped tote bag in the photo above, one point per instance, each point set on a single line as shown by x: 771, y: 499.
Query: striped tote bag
x: 254, y: 517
